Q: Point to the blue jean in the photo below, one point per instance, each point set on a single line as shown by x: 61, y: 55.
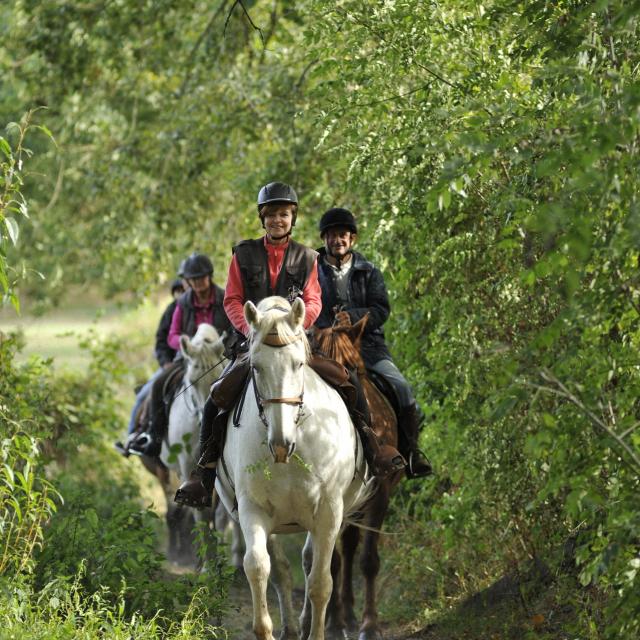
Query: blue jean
x: 388, y: 370
x: 140, y: 398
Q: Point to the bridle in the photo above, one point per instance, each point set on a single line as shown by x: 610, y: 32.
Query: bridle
x: 274, y: 340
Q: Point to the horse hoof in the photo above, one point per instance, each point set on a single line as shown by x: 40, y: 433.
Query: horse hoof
x: 353, y: 624
x: 370, y: 634
x: 288, y: 634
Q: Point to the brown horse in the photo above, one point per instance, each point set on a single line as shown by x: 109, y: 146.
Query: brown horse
x: 342, y: 343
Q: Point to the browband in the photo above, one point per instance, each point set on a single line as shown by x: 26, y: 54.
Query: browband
x: 274, y: 340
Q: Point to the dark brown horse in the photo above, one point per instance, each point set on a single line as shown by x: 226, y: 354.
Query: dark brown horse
x: 342, y: 343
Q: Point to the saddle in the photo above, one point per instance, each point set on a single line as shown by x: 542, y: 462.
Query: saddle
x: 169, y: 394
x: 170, y: 387
x: 225, y: 390
x: 233, y: 384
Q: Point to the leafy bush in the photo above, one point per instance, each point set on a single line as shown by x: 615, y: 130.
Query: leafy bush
x: 63, y: 611
x: 26, y: 504
x: 95, y: 558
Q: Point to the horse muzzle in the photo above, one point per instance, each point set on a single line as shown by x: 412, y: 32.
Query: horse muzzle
x: 282, y: 453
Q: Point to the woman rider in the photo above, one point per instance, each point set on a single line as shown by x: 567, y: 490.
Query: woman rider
x: 201, y: 303
x: 272, y: 265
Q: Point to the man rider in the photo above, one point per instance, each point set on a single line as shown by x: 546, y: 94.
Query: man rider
x: 201, y: 303
x: 272, y: 265
x: 353, y: 287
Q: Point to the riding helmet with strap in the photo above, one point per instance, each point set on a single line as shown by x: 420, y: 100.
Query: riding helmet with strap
x: 278, y: 192
x: 337, y: 217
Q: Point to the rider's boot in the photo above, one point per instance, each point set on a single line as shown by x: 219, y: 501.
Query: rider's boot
x: 147, y: 443
x: 418, y: 465
x: 382, y: 459
x: 196, y: 491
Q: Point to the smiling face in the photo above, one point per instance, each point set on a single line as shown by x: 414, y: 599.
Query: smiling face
x: 338, y: 242
x: 278, y: 221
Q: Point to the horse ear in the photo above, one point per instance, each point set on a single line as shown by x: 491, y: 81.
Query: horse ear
x: 185, y: 345
x: 251, y: 314
x: 355, y: 331
x: 296, y: 315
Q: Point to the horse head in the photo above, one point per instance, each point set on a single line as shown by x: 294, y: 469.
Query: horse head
x: 204, y: 356
x: 342, y: 343
x: 278, y: 353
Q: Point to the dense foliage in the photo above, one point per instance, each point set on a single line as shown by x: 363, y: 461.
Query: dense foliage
x: 79, y: 556
x: 490, y: 152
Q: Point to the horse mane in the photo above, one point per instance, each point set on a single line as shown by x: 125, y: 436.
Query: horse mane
x: 341, y: 342
x: 275, y: 310
x: 337, y: 343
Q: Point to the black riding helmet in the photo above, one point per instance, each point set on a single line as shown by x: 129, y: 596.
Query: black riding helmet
x: 180, y: 272
x: 278, y: 192
x: 196, y: 266
x: 337, y: 217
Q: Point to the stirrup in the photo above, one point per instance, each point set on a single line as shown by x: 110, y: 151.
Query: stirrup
x: 413, y: 472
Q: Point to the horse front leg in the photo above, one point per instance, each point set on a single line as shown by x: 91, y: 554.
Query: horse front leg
x: 336, y: 627
x: 284, y: 585
x: 370, y: 565
x: 323, y: 541
x: 350, y: 539
x: 305, y: 616
x: 257, y: 567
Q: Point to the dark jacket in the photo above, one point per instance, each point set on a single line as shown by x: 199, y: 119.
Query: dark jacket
x: 163, y: 352
x: 220, y: 320
x: 367, y: 293
x: 296, y: 268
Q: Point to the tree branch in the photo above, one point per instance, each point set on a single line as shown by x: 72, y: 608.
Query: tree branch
x: 398, y: 96
x: 559, y: 389
x: 199, y: 42
x: 246, y: 13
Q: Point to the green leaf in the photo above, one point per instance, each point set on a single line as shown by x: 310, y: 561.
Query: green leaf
x: 6, y: 149
x: 13, y: 230
x: 92, y: 518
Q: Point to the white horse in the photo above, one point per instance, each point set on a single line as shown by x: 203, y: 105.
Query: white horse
x: 290, y: 415
x: 205, y: 361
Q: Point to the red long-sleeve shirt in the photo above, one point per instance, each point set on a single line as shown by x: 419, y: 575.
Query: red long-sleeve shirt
x: 234, y: 292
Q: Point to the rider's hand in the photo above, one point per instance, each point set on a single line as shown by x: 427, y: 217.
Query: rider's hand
x: 166, y: 365
x: 343, y: 319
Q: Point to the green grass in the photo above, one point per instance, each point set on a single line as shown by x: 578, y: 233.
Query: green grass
x: 56, y: 334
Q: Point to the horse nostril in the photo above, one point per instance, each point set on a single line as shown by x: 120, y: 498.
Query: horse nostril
x: 292, y: 448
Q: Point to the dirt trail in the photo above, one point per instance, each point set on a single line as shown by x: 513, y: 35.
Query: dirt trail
x: 238, y: 620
